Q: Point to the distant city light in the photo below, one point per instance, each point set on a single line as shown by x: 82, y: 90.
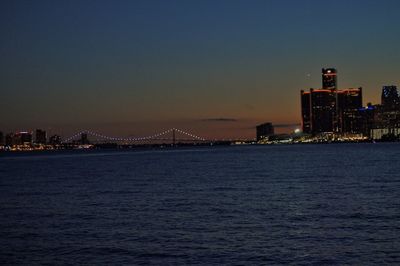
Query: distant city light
x: 297, y: 130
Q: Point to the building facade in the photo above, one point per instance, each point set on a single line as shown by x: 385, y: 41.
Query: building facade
x: 329, y: 78
x: 390, y: 98
x: 329, y: 110
x: 264, y: 131
x: 19, y: 138
x: 349, y: 117
x: 84, y: 139
x: 40, y: 136
x: 55, y: 140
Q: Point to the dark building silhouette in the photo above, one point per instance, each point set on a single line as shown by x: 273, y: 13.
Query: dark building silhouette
x: 367, y: 122
x: 25, y: 138
x: 390, y: 98
x: 306, y: 112
x: 330, y: 110
x: 264, y: 131
x: 349, y: 105
x: 387, y: 114
x: 84, y: 139
x: 19, y: 138
x: 9, y: 139
x: 55, y: 140
x: 1, y: 138
x: 41, y: 136
x: 318, y: 110
x: 322, y: 110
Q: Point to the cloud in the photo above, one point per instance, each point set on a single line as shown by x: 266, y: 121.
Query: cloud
x: 219, y: 119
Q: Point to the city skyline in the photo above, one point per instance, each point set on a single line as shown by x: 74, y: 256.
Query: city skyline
x: 217, y: 68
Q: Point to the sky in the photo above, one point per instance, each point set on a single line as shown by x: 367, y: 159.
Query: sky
x: 213, y: 68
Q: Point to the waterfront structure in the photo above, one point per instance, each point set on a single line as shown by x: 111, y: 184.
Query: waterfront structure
x: 329, y: 110
x: 40, y: 136
x: 386, y: 122
x: 9, y: 139
x: 1, y: 138
x: 390, y: 98
x: 306, y: 112
x: 348, y: 115
x: 318, y: 106
x: 388, y: 134
x: 339, y: 112
x: 84, y: 139
x: 55, y: 140
x: 19, y: 138
x: 367, y: 119
x: 323, y: 106
x: 264, y: 131
x: 25, y: 137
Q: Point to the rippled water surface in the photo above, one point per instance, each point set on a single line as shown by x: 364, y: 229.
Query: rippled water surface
x: 294, y: 204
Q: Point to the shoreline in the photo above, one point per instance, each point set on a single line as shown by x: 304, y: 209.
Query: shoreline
x: 116, y: 147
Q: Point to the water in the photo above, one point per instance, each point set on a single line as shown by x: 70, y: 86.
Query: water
x: 294, y: 204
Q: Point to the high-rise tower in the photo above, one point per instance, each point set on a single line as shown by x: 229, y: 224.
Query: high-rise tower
x: 329, y: 79
x: 329, y: 110
x: 390, y: 98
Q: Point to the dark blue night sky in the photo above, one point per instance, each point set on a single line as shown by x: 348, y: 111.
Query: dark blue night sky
x: 136, y: 66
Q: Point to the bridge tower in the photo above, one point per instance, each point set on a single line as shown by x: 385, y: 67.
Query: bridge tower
x: 173, y: 137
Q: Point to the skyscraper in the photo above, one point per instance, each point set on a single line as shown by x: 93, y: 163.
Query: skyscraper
x: 264, y: 131
x: 322, y: 111
x: 329, y: 79
x: 390, y: 97
x: 330, y: 110
x: 306, y: 111
x: 25, y: 138
x: 349, y: 105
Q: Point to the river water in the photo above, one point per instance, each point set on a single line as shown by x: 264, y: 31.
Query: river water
x: 283, y: 204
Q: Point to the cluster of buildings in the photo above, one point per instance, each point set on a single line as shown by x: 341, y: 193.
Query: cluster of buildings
x: 328, y: 111
x: 37, y: 140
x: 332, y: 114
x: 327, y: 114
x: 335, y: 113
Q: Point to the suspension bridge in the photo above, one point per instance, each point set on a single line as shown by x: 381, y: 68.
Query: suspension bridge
x: 171, y: 135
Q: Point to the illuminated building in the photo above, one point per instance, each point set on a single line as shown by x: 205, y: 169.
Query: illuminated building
x: 24, y: 138
x: 322, y: 111
x: 264, y: 131
x: 349, y: 117
x: 305, y: 112
x: 41, y: 136
x: 329, y: 82
x: 329, y: 110
x: 367, y: 122
x: 390, y: 97
x: 318, y: 110
x: 329, y: 79
x: 387, y: 115
x: 19, y: 138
